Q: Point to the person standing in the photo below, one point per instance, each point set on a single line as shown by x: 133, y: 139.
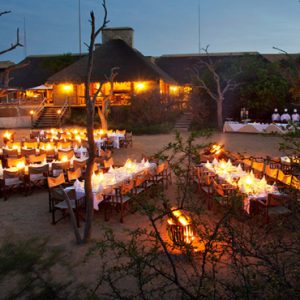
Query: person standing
x: 285, y: 117
x: 295, y: 116
x: 275, y: 116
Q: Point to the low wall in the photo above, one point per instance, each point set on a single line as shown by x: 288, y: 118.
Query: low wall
x: 15, y: 122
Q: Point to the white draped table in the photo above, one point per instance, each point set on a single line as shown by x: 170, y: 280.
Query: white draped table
x: 280, y: 128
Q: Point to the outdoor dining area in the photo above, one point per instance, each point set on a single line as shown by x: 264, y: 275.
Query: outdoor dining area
x: 257, y: 185
x: 56, y: 160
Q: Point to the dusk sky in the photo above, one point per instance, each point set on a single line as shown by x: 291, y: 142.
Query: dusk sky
x: 161, y: 26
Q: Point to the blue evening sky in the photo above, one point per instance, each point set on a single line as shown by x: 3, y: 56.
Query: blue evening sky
x: 161, y: 26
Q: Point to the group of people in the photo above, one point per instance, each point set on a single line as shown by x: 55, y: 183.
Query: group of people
x: 285, y: 117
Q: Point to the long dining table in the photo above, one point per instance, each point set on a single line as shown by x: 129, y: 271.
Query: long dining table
x: 246, y: 183
x: 105, y: 183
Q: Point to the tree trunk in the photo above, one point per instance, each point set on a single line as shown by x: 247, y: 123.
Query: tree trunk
x: 220, y: 113
x: 102, y: 117
x: 89, y: 171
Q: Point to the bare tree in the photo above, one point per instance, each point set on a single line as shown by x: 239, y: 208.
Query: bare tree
x: 222, y: 84
x: 90, y: 112
x: 16, y: 43
x: 106, y: 99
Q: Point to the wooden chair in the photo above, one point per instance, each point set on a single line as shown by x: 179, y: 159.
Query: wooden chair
x: 258, y: 167
x: 14, y: 162
x: 119, y: 199
x: 54, y: 182
x: 34, y: 134
x: 32, y: 144
x: 204, y: 181
x: 64, y: 145
x: 37, y: 159
x: 50, y: 154
x: 58, y: 202
x: 80, y: 164
x: 68, y: 154
x: 37, y: 176
x: 13, y: 180
x: 60, y: 167
x: 127, y: 141
x: 223, y: 193
x: 27, y: 153
x: 73, y: 175
x: 273, y: 205
x: 271, y: 171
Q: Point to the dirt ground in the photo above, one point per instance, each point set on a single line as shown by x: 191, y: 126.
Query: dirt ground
x: 24, y: 217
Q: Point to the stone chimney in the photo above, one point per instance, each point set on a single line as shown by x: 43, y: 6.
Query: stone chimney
x: 122, y: 33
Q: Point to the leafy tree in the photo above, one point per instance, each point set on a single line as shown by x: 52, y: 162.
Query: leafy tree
x: 264, y: 88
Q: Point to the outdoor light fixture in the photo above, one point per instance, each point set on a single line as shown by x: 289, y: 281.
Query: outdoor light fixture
x: 174, y: 89
x: 31, y: 112
x: 180, y: 229
x: 67, y: 88
x: 58, y: 111
x: 140, y: 86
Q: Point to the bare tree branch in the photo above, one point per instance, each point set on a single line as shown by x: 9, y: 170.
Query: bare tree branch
x: 13, y: 45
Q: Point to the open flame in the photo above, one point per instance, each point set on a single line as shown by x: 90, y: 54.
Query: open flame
x: 180, y: 228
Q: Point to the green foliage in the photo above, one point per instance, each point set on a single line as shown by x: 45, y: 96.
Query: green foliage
x: 147, y: 114
x: 265, y: 88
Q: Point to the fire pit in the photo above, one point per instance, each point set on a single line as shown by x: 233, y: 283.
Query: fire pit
x: 180, y: 229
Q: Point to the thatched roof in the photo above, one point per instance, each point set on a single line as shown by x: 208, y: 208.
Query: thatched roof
x: 180, y: 66
x: 133, y: 66
x: 277, y: 57
x: 5, y: 64
x: 36, y: 69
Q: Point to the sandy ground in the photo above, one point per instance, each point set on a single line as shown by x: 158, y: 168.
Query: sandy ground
x: 25, y: 217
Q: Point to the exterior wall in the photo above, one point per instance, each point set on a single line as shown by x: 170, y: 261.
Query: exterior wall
x: 125, y: 34
x: 15, y: 122
x: 61, y: 94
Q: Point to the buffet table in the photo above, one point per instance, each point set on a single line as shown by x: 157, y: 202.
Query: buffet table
x: 231, y: 126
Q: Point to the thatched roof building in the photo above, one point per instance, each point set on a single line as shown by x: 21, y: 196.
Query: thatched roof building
x: 36, y: 69
x: 131, y: 64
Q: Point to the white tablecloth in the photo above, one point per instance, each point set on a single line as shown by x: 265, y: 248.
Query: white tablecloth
x: 255, y: 127
x: 116, y: 137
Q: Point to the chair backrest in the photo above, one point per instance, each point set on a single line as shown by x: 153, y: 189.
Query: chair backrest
x: 10, y: 152
x: 258, y: 165
x: 13, y: 144
x: 12, y: 174
x: 218, y: 188
x: 61, y: 165
x: 295, y: 183
x: 30, y: 144
x: 284, y: 178
x: 108, y: 163
x: 37, y: 158
x: 13, y: 162
x: 68, y: 154
x: 127, y: 187
x: 28, y: 152
x: 39, y: 170
x: 271, y: 172
x: 56, y: 181
x: 64, y: 145
x: 79, y: 164
x: 160, y: 168
x: 73, y: 175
